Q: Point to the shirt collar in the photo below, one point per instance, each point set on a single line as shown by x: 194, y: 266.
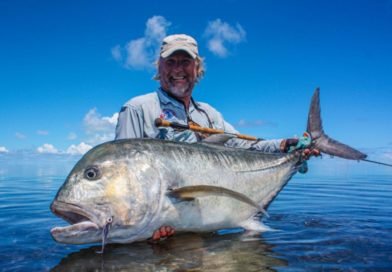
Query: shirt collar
x: 165, y: 99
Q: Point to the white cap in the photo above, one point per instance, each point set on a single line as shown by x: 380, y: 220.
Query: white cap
x: 177, y: 42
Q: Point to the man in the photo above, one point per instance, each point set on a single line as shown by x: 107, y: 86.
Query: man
x: 179, y: 69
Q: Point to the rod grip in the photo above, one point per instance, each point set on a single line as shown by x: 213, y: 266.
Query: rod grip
x: 206, y: 130
x: 246, y: 137
x: 161, y: 123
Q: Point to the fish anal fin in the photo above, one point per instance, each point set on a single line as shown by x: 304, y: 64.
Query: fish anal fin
x: 254, y: 225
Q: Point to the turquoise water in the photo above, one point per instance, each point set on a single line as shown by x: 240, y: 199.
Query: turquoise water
x: 331, y: 219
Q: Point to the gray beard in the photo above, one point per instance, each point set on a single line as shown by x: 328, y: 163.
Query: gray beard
x: 179, y: 92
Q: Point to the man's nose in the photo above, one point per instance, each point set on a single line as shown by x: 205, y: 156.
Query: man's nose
x: 177, y: 66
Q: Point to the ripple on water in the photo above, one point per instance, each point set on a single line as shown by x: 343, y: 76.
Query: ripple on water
x: 321, y: 223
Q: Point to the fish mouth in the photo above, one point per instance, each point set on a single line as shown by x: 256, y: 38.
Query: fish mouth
x: 83, y: 227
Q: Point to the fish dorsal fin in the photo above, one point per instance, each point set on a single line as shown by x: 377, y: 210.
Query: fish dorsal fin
x: 188, y: 193
x: 218, y: 139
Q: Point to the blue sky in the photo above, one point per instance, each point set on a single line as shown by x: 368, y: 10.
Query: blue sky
x: 67, y: 67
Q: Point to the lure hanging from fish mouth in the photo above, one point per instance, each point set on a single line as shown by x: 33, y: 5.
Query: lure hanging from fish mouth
x: 105, y: 233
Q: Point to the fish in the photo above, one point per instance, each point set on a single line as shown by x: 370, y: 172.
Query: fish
x: 122, y: 191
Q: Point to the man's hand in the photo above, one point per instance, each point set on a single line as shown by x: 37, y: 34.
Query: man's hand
x: 308, y: 152
x: 303, y: 143
x: 287, y: 144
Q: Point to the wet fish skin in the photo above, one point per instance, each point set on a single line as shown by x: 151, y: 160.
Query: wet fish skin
x: 136, y: 175
x: 127, y: 181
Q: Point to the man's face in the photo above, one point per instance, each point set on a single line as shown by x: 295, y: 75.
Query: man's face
x: 178, y: 73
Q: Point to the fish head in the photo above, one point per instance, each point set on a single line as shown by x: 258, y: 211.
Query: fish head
x: 113, y: 185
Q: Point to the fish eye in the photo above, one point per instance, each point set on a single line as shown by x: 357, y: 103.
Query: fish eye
x: 92, y: 173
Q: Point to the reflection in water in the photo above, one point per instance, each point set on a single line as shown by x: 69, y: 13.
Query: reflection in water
x: 328, y: 223
x: 184, y: 252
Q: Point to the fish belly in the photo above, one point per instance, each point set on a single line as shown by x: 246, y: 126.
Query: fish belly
x: 209, y: 213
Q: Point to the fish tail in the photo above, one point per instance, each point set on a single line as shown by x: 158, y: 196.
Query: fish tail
x: 321, y: 141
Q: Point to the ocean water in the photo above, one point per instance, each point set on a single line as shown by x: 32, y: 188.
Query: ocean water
x: 337, y: 217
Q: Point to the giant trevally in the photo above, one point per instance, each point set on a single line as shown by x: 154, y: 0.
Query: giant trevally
x: 122, y: 191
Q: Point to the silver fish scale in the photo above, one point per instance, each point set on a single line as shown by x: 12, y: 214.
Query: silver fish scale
x: 227, y: 158
x: 257, y: 175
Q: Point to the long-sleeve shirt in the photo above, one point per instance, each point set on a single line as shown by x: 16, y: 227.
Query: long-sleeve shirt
x: 137, y: 120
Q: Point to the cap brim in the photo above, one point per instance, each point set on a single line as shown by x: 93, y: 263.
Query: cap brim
x: 170, y: 51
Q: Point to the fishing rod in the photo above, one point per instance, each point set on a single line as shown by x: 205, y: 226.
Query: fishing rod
x: 164, y: 123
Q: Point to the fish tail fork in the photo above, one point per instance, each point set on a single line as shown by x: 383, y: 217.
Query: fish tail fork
x: 323, y: 142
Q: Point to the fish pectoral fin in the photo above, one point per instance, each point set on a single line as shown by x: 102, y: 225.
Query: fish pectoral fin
x: 218, y: 139
x: 191, y: 192
x: 178, y: 197
x: 183, y: 198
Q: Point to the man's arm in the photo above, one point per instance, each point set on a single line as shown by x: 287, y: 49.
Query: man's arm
x: 130, y: 123
x: 270, y: 146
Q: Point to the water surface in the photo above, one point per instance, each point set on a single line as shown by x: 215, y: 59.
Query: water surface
x: 327, y: 220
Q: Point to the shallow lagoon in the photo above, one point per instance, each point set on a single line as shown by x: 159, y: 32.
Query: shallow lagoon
x: 336, y: 217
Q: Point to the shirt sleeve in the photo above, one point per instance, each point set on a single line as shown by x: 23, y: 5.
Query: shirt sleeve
x: 130, y: 123
x: 269, y: 146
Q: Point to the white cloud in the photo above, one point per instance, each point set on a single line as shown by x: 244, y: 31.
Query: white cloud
x: 98, y: 138
x: 116, y: 53
x: 156, y: 28
x: 111, y: 120
x: 93, y: 121
x: 141, y: 53
x: 47, y: 149
x: 79, y: 149
x: 3, y: 149
x: 72, y: 136
x: 42, y: 132
x: 20, y: 136
x: 99, y: 129
x: 137, y: 54
x: 221, y: 35
x: 216, y: 46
